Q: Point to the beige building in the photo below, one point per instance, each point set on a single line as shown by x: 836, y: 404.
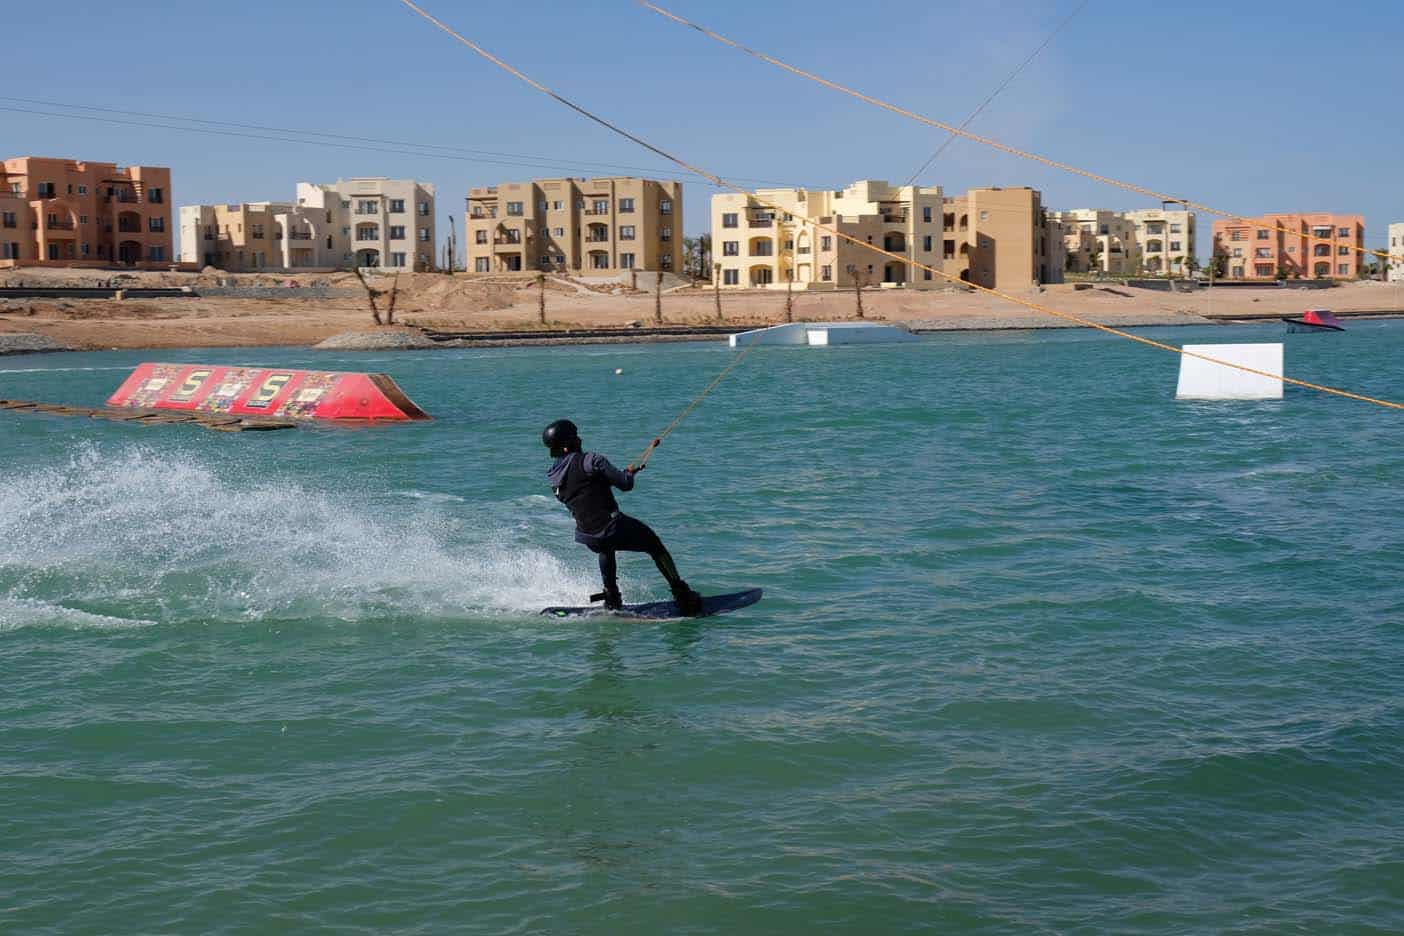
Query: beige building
x: 1099, y: 241
x: 1396, y: 253
x: 64, y: 212
x: 1165, y: 238
x: 762, y: 240
x: 1125, y: 243
x: 594, y: 227
x: 371, y: 222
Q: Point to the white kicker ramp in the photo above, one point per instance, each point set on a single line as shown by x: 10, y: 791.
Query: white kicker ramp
x: 823, y: 334
x: 1205, y: 380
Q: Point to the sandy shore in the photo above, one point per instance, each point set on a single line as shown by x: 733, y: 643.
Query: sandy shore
x: 471, y: 303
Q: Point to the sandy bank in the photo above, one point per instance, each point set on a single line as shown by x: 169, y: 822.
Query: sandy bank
x: 473, y: 303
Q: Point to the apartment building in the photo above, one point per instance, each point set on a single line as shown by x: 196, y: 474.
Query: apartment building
x: 369, y: 222
x: 1273, y: 246
x: 64, y: 212
x: 1165, y: 238
x: 591, y: 227
x: 762, y: 240
x: 1096, y: 240
x: 1396, y: 252
x: 1004, y: 239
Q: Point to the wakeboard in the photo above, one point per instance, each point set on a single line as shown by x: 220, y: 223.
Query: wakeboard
x: 663, y: 610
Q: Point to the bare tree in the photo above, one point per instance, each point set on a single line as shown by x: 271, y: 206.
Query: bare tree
x: 716, y: 288
x: 541, y: 297
x: 658, y: 299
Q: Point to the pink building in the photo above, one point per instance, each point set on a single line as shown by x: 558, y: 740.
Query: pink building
x: 59, y: 212
x: 1310, y: 246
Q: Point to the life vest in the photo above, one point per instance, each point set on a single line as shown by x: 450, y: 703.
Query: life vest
x: 590, y: 499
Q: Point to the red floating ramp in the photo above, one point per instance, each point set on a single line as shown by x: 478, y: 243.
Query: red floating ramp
x: 268, y: 392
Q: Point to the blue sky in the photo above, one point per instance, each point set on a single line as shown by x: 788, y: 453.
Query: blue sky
x: 1251, y: 110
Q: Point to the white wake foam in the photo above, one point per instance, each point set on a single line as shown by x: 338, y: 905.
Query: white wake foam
x: 164, y: 537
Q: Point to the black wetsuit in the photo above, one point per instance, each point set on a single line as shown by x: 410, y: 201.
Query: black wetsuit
x: 583, y: 481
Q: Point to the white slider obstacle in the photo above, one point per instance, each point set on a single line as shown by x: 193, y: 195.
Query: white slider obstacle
x: 823, y: 334
x: 1206, y: 380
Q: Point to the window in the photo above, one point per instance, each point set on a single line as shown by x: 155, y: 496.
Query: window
x: 1262, y: 235
x: 1343, y: 250
x: 731, y: 277
x: 53, y: 252
x: 9, y: 219
x: 397, y: 232
x: 1233, y: 236
x: 1155, y: 228
x: 154, y: 196
x: 257, y: 229
x: 1105, y: 229
x: 826, y: 274
x: 926, y: 243
x: 397, y: 259
x: 926, y: 214
x: 366, y: 207
x: 85, y: 249
x: 665, y: 206
x: 666, y: 261
x: 948, y: 250
x: 1238, y: 251
x: 1321, y: 250
x: 599, y: 260
x: 626, y: 232
x: 729, y: 220
x: 1263, y: 252
x: 1263, y: 269
x: 514, y: 209
x: 424, y: 235
x: 158, y: 254
x: 1175, y: 229
x: 480, y: 237
x: 1291, y: 250
x: 82, y: 219
x: 424, y: 209
x: 9, y: 251
x: 731, y: 248
x: 666, y: 234
x: 556, y: 206
x: 541, y: 206
x: 1321, y: 232
x: 626, y: 261
x: 46, y: 190
x: 83, y: 190
x: 601, y: 206
x: 1345, y: 232
x: 1343, y: 268
x: 368, y: 232
x: 926, y: 274
x: 1174, y: 245
x: 558, y: 232
x: 480, y: 265
x: 826, y: 242
x: 626, y: 205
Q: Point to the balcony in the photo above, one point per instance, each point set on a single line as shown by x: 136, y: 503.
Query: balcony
x: 596, y: 211
x: 299, y: 235
x: 127, y: 227
x: 760, y: 222
x: 595, y: 239
x: 897, y: 218
x: 507, y: 239
x: 60, y: 226
x: 483, y: 215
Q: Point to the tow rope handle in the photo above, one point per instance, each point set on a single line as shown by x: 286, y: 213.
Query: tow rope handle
x: 648, y: 453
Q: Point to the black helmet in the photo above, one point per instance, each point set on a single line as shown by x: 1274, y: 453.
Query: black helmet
x: 559, y: 435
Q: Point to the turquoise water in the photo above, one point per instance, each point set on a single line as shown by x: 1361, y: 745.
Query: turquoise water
x: 1042, y: 651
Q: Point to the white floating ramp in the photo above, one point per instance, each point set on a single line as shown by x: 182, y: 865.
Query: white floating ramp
x: 1206, y: 380
x: 823, y: 334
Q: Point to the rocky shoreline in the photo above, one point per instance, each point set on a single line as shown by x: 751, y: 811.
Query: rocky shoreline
x: 27, y: 343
